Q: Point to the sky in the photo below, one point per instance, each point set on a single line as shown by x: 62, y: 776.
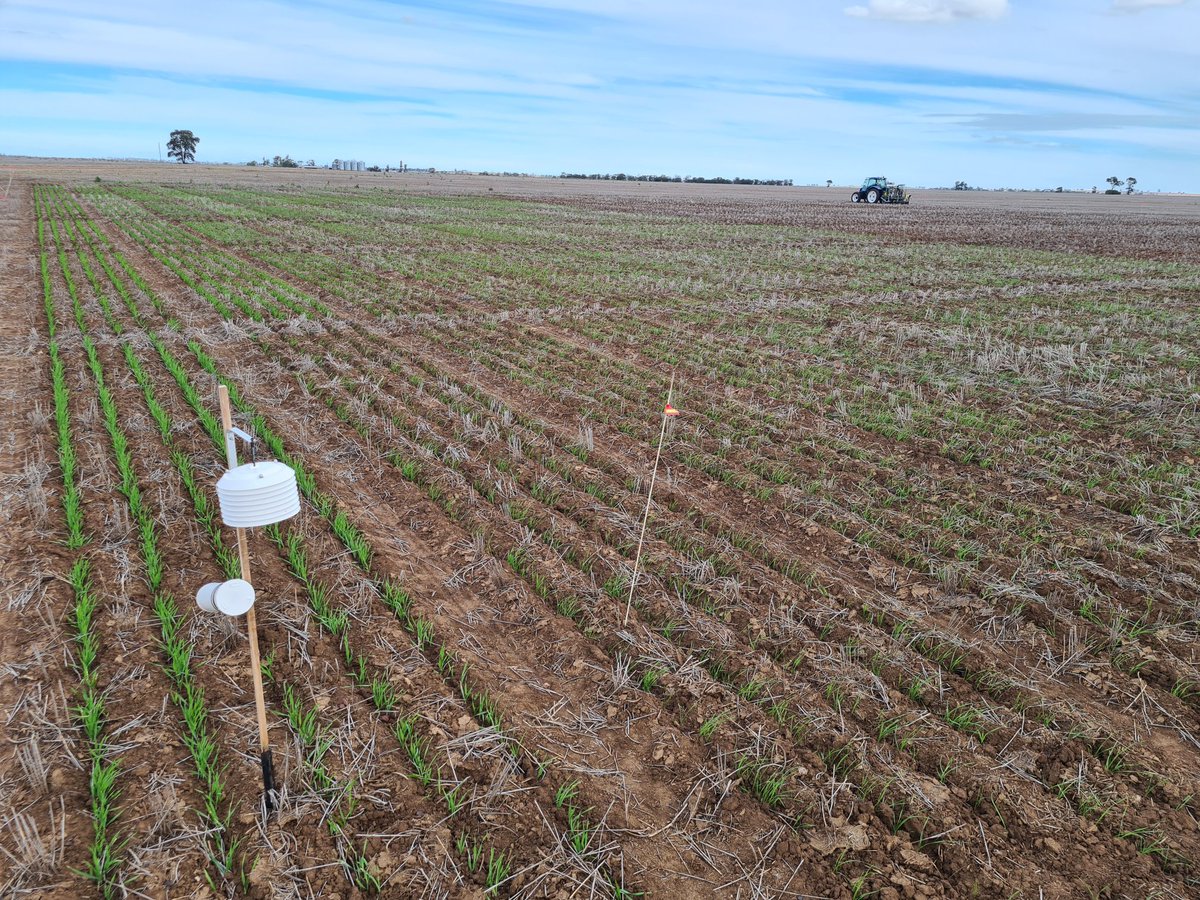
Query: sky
x: 997, y: 93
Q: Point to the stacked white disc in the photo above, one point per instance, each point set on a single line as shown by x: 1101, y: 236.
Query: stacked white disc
x: 257, y: 494
x: 233, y: 597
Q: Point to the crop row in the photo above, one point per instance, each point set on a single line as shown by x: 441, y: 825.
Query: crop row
x: 562, y: 508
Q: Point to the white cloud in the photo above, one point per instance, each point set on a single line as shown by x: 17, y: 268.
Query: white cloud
x: 1139, y: 5
x: 937, y: 10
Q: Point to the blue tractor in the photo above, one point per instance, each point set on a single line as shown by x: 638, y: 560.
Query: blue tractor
x: 877, y: 190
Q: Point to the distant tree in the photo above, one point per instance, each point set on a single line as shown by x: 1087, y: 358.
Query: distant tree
x: 182, y: 146
x: 828, y: 182
x: 1093, y: 189
x: 1114, y: 181
x: 311, y: 164
x: 961, y: 186
x: 253, y: 162
x: 1130, y: 182
x: 285, y: 162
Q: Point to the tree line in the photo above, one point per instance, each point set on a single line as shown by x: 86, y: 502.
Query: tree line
x: 678, y: 179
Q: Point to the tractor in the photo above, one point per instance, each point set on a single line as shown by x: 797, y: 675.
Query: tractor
x: 877, y: 190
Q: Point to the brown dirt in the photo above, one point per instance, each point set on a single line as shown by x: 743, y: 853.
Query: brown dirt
x: 939, y: 737
x: 35, y: 684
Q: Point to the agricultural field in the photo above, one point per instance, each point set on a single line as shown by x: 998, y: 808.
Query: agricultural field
x: 916, y: 613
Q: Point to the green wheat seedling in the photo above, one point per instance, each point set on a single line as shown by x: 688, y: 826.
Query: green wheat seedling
x: 454, y: 797
x: 305, y: 724
x: 580, y: 831
x: 616, y: 587
x: 417, y: 750
x: 188, y: 697
x: 360, y: 871
x: 383, y: 694
x: 480, y: 703
x: 498, y: 867
x: 650, y: 679
x: 1111, y: 754
x: 570, y: 607
x: 859, y: 889
x: 105, y: 853
x: 486, y: 710
x: 970, y: 720
x: 753, y: 689
x: 316, y: 742
x: 395, y: 598
x: 889, y: 726
x: 762, y: 779
x: 1185, y: 689
x: 565, y: 793
x: 709, y: 727
x: 473, y: 854
x: 72, y: 501
x: 1088, y: 803
x: 354, y: 540
x: 86, y: 602
x: 1149, y: 839
x: 424, y: 633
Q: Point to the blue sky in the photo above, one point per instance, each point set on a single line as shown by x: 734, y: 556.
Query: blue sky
x: 999, y: 93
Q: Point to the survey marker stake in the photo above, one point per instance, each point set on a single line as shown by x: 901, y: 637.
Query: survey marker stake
x: 669, y: 412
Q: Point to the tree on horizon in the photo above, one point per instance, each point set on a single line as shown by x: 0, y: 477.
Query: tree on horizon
x: 182, y: 146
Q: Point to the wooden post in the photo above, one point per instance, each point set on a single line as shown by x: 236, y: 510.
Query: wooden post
x: 264, y: 740
x: 649, y: 493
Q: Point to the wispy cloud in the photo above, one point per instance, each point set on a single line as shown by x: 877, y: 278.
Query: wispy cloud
x: 1069, y: 121
x: 1141, y: 5
x: 930, y: 10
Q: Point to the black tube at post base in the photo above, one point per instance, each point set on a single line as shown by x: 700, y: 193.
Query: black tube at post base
x: 268, y: 773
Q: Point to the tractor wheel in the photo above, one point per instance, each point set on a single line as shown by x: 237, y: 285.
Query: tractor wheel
x: 854, y: 197
x: 873, y: 196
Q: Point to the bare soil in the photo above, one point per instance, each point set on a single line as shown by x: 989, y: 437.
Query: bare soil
x: 916, y: 609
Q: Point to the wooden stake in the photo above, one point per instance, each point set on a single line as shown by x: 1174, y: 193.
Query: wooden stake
x: 637, y: 559
x: 264, y: 740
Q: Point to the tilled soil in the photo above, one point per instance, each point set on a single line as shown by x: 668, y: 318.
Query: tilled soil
x: 920, y: 653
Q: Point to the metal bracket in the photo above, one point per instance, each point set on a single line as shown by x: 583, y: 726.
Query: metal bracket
x: 231, y: 445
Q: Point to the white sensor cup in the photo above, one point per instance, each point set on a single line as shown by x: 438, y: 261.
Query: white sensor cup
x: 233, y: 597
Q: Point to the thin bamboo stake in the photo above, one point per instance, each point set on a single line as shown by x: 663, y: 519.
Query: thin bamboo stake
x: 264, y: 739
x: 637, y: 559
